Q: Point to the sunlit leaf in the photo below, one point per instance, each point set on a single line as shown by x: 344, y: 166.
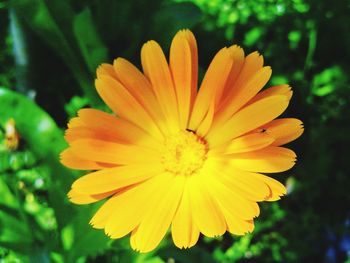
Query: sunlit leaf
x: 53, y: 22
x: 45, y: 139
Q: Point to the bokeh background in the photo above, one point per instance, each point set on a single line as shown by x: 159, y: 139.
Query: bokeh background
x: 49, y: 50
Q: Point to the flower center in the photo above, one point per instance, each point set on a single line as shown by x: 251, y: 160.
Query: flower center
x: 184, y: 153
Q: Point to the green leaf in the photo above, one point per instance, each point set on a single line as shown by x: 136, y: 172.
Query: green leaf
x: 38, y: 15
x: 80, y: 239
x: 90, y: 43
x: 52, y: 21
x: 45, y: 139
x: 7, y: 197
x: 14, y: 234
x: 34, y: 125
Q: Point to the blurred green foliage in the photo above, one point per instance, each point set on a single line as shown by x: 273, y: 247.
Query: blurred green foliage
x: 49, y: 52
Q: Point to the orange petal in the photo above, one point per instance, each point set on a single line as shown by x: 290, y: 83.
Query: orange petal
x: 212, y: 86
x: 89, y: 133
x: 125, y: 105
x: 284, y: 130
x: 115, y: 153
x: 96, y: 124
x: 248, y: 119
x: 237, y: 54
x: 181, y: 65
x: 242, y: 95
x: 76, y: 122
x: 115, y: 178
x: 106, y: 69
x: 273, y: 91
x: 139, y: 86
x: 156, y: 68
x: 69, y: 159
x: 251, y: 65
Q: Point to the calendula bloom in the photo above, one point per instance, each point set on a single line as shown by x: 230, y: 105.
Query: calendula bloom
x: 172, y: 156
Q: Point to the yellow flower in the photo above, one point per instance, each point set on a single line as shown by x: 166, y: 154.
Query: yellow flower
x: 174, y: 157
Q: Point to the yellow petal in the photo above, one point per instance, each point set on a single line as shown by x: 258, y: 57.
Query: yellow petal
x: 115, y: 153
x: 206, y: 213
x: 80, y: 198
x: 246, y: 184
x: 156, y: 222
x: 139, y: 86
x: 226, y: 196
x: 184, y: 232
x: 251, y: 65
x: 255, y: 181
x: 125, y: 105
x: 181, y: 69
x: 115, y: 178
x: 207, y: 121
x: 133, y: 243
x: 69, y: 159
x: 194, y: 58
x: 276, y: 188
x: 156, y: 68
x: 268, y: 160
x: 284, y: 130
x: 245, y: 143
x: 248, y: 119
x: 237, y: 226
x: 127, y: 206
x: 212, y: 86
x: 130, y: 208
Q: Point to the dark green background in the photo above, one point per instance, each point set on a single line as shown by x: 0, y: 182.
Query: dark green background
x: 49, y: 50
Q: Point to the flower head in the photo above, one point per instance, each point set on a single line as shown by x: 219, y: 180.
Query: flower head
x: 172, y: 156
